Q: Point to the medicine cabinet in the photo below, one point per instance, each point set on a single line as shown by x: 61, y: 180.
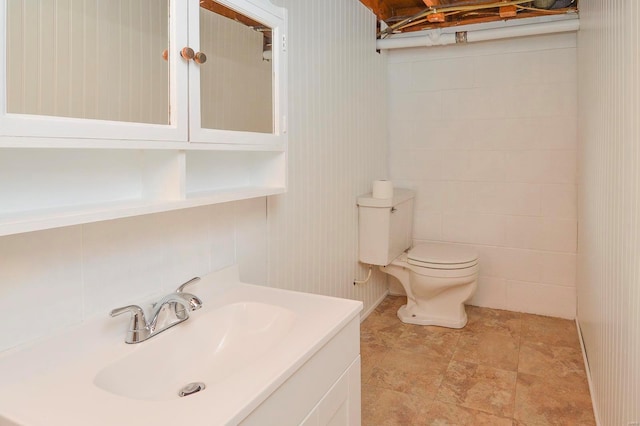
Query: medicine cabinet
x: 112, y: 109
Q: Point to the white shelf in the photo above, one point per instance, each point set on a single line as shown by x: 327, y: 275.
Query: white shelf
x: 49, y: 188
x: 37, y: 220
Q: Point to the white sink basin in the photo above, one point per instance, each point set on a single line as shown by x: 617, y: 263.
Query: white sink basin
x: 243, y: 344
x: 210, y: 350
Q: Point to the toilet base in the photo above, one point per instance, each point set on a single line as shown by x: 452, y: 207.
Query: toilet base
x: 409, y: 317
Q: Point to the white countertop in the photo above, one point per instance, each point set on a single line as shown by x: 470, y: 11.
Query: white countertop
x: 51, y: 382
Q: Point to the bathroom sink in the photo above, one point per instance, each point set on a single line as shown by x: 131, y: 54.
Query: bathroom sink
x: 244, y: 345
x: 208, y: 351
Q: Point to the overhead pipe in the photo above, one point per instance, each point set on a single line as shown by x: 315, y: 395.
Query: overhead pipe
x: 441, y: 38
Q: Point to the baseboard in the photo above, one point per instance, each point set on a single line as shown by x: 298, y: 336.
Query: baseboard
x: 375, y: 305
x: 588, y: 370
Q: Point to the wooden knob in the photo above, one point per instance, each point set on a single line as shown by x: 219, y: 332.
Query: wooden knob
x: 200, y: 58
x: 165, y: 54
x: 187, y: 53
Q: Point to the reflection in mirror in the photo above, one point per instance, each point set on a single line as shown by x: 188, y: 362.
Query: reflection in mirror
x: 91, y: 59
x: 236, y: 82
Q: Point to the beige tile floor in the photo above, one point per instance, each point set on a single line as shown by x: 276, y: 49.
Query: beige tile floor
x: 503, y: 368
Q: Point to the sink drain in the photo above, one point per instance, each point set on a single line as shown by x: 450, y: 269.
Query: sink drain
x: 191, y: 388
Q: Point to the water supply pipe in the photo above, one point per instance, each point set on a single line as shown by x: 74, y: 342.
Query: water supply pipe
x: 440, y: 38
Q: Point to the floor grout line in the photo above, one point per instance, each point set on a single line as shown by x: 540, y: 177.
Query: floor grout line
x: 496, y: 322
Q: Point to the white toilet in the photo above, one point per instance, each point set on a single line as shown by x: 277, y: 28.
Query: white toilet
x: 437, y: 277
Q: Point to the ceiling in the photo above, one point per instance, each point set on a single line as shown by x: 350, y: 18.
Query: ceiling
x: 415, y: 15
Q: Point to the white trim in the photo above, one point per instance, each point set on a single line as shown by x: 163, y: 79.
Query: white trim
x: 273, y: 17
x: 588, y: 370
x: 368, y: 312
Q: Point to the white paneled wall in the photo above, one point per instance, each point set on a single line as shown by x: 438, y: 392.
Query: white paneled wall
x: 88, y: 59
x: 337, y: 146
x: 609, y: 190
x: 486, y: 135
x: 50, y: 280
x: 236, y: 82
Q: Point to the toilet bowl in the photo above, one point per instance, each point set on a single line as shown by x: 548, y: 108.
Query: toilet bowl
x: 438, y: 279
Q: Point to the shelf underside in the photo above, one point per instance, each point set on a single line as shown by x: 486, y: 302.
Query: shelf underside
x: 28, y: 221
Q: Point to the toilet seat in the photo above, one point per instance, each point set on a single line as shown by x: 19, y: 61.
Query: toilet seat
x: 442, y: 256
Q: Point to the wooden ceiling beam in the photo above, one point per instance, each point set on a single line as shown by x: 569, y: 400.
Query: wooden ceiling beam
x: 508, y: 11
x: 408, y: 11
x: 229, y: 13
x: 468, y: 21
x: 380, y: 8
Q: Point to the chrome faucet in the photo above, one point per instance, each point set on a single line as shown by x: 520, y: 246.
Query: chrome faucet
x: 172, y: 309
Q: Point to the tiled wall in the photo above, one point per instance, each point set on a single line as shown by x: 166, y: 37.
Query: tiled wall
x: 50, y: 280
x: 486, y: 135
x: 609, y: 190
x: 337, y: 147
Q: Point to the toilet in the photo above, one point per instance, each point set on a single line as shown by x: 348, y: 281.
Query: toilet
x: 438, y: 278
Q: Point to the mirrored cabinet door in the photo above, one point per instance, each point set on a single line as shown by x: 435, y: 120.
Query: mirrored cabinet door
x: 93, y: 68
x: 236, y: 87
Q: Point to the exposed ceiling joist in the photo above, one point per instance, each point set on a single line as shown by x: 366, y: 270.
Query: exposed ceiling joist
x: 415, y: 15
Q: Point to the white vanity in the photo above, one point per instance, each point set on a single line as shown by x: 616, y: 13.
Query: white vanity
x: 266, y: 357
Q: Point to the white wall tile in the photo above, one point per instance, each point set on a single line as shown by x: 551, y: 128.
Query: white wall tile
x: 458, y: 228
x: 507, y: 140
x: 550, y: 300
x: 491, y: 292
x: 442, y: 74
x: 559, y: 200
x: 558, y: 268
x: 487, y: 166
x: 542, y: 233
x: 456, y: 165
x: 40, y: 284
x: 124, y: 261
x: 460, y: 197
x: 416, y: 164
x: 188, y: 245
x: 427, y: 226
x: 489, y: 229
x: 251, y: 240
x: 429, y: 195
x: 223, y: 235
x: 541, y: 166
x: 401, y: 77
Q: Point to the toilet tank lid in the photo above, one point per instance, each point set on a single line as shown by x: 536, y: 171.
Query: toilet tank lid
x: 400, y: 195
x: 442, y: 253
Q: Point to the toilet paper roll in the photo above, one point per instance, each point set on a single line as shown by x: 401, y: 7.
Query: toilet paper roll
x: 382, y: 189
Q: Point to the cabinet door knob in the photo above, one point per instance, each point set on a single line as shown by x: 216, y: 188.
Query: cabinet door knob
x: 187, y: 53
x: 200, y: 58
x: 165, y: 54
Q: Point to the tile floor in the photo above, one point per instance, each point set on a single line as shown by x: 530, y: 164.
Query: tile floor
x: 503, y: 368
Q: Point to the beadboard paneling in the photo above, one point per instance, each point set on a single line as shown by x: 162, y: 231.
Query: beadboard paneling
x: 609, y: 213
x: 337, y: 146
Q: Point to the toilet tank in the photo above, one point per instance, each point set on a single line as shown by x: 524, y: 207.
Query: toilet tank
x: 385, y: 227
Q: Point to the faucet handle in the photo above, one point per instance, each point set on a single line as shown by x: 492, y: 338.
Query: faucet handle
x: 188, y: 283
x: 138, y: 329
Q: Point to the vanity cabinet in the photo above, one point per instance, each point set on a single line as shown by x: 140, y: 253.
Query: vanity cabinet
x: 114, y: 109
x: 324, y: 391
